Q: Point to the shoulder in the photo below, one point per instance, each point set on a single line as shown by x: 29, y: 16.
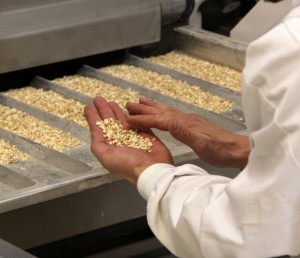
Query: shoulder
x: 292, y: 22
x: 272, y: 55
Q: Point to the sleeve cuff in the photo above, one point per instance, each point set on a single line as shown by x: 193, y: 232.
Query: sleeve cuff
x: 150, y: 176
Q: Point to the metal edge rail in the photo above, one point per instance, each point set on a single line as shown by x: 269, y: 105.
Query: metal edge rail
x: 210, y: 46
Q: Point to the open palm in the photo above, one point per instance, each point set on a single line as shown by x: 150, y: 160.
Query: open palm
x: 126, y: 162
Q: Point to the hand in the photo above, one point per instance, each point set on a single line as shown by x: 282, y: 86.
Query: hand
x: 126, y: 162
x: 213, y: 144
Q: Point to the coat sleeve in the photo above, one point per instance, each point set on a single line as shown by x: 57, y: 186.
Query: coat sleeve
x: 176, y: 199
x: 256, y: 214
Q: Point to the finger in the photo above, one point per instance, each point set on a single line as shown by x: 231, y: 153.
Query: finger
x: 136, y: 109
x: 103, y: 108
x: 155, y: 104
x: 147, y: 106
x: 92, y: 117
x: 149, y: 121
x: 117, y: 110
x: 119, y: 114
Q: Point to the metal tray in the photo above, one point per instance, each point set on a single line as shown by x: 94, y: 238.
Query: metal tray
x: 49, y: 174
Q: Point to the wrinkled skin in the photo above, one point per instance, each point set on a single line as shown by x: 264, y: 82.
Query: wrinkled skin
x: 213, y: 144
x: 125, y: 162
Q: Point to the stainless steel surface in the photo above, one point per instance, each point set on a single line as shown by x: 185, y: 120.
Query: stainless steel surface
x: 211, y: 47
x: 7, y: 250
x: 172, y: 10
x: 80, y: 212
x: 49, y: 174
x: 71, y: 215
x: 30, y: 30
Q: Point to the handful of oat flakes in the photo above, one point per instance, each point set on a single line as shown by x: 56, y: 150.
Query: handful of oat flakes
x: 115, y: 133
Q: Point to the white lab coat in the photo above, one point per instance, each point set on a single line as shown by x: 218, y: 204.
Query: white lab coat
x: 256, y: 214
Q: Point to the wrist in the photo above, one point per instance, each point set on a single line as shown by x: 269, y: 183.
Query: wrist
x: 241, y: 151
x: 138, y: 170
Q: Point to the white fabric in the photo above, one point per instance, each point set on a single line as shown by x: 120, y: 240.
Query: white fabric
x: 256, y: 214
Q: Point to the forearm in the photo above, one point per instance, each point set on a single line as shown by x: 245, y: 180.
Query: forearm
x: 176, y: 198
x: 238, y: 151
x: 195, y: 214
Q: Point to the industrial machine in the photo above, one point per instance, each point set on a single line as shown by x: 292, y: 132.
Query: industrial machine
x: 66, y: 204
